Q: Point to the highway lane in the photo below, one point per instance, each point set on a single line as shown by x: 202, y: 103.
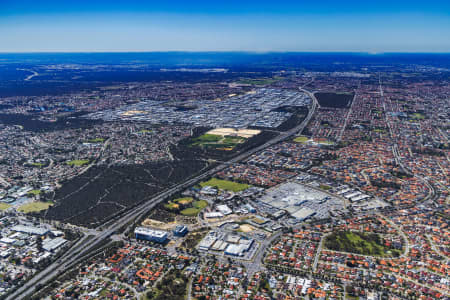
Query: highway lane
x: 84, y: 247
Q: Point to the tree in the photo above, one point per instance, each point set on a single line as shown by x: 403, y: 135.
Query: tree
x: 39, y: 244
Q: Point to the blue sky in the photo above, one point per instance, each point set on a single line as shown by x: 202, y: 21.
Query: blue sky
x: 356, y: 26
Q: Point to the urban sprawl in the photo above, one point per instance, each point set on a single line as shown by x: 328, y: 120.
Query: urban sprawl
x: 311, y: 185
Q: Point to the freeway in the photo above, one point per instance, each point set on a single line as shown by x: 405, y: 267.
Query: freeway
x: 83, y: 247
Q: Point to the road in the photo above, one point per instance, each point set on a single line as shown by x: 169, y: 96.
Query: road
x: 4, y: 182
x: 256, y: 264
x: 319, y: 250
x: 29, y: 76
x: 348, y: 114
x: 400, y: 231
x: 85, y: 246
x: 189, y: 292
x: 432, y: 193
x: 436, y: 249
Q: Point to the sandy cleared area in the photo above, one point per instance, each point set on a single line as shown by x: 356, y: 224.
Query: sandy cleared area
x: 134, y: 112
x: 246, y: 228
x: 245, y: 133
x: 158, y: 224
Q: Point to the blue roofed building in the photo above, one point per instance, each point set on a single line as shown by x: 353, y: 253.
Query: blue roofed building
x: 180, y: 230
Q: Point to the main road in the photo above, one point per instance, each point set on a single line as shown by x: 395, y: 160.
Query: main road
x: 432, y: 192
x: 84, y: 246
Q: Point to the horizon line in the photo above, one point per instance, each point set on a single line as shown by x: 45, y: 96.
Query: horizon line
x: 227, y: 51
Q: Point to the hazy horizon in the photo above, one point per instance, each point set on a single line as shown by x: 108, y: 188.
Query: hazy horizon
x: 224, y: 51
x: 201, y: 26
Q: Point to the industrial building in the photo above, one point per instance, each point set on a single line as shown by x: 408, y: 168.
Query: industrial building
x: 230, y: 244
x: 30, y: 229
x: 53, y: 244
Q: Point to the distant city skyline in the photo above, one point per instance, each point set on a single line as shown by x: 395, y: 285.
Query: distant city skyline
x: 255, y: 26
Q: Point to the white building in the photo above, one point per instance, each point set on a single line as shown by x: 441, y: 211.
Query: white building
x: 224, y: 209
x: 145, y: 233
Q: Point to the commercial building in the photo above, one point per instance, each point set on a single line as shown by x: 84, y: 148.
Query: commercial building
x: 278, y: 214
x: 207, y: 241
x: 144, y: 233
x: 303, y: 214
x: 239, y: 249
x: 233, y: 238
x: 214, y: 214
x: 224, y: 209
x: 208, y: 190
x: 180, y: 230
x: 302, y: 201
x: 250, y: 208
x: 219, y: 245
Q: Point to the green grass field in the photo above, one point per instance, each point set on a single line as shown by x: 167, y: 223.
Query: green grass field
x: 325, y: 142
x: 145, y: 131
x: 301, y: 139
x: 34, y: 192
x: 379, y: 130
x: 78, y: 162
x: 208, y: 138
x: 324, y: 187
x: 4, y: 206
x: 357, y: 242
x: 259, y: 81
x: 217, y: 141
x: 171, y: 206
x: 38, y: 165
x: 190, y: 212
x: 184, y: 201
x: 225, y: 185
x: 418, y: 116
x: 34, y: 207
x: 191, y: 207
x: 96, y: 140
x: 201, y: 204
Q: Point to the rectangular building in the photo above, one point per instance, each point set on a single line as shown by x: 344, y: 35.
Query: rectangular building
x: 303, y: 214
x: 148, y: 234
x: 53, y: 244
x: 180, y: 230
x: 30, y: 229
